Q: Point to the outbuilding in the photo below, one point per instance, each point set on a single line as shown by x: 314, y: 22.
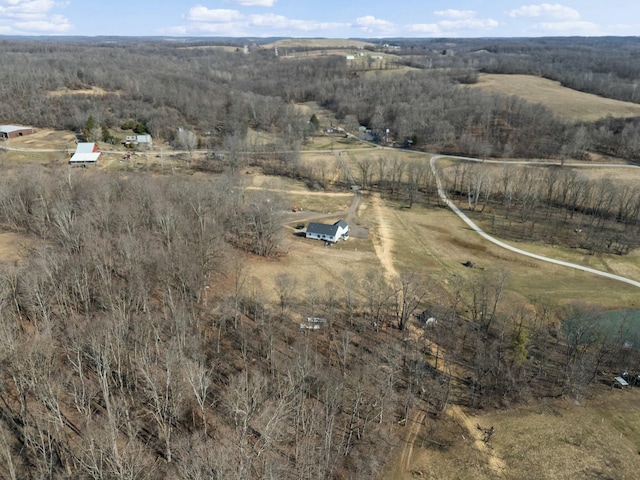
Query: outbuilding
x: 142, y: 140
x: 86, y: 153
x: 328, y: 233
x: 14, y: 131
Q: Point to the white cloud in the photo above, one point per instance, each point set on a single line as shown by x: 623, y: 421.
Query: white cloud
x: 430, y: 29
x: 454, y: 22
x: 57, y: 24
x: 256, y: 3
x: 233, y: 23
x: 219, y: 15
x: 26, y: 8
x: 571, y: 28
x: 468, y: 23
x: 283, y: 23
x: 460, y: 14
x: 376, y: 26
x: 33, y: 16
x: 547, y: 10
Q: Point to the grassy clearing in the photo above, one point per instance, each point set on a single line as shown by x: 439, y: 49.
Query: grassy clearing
x: 438, y: 241
x: 558, y: 439
x: 553, y: 439
x: 33, y: 158
x: 388, y: 72
x: 12, y: 246
x: 563, y: 101
x: 93, y: 91
x: 318, y: 43
x: 46, y: 138
x: 319, y: 204
x: 295, y: 192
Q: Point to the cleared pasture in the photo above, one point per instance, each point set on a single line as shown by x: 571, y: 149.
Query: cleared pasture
x: 555, y: 439
x: 563, y: 101
x: 318, y: 43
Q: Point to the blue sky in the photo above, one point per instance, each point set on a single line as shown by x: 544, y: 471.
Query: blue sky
x: 320, y: 18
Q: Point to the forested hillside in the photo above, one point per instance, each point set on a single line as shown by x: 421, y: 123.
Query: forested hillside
x: 139, y: 335
x: 220, y: 93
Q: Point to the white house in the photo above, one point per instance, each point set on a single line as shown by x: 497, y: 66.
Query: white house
x: 143, y: 140
x: 328, y: 233
x: 86, y: 153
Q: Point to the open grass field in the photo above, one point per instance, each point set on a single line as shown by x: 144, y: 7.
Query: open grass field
x: 563, y: 101
x: 84, y: 91
x: 319, y: 43
x: 45, y: 139
x: 557, y: 439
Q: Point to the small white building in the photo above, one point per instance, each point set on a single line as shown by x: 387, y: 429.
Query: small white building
x: 86, y: 153
x: 328, y: 233
x: 142, y: 140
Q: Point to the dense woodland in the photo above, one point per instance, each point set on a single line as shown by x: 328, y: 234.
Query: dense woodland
x: 135, y: 343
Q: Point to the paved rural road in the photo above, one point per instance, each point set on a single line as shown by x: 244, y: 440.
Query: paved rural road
x: 488, y: 237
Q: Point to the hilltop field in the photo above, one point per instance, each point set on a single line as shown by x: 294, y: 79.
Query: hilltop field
x: 563, y: 101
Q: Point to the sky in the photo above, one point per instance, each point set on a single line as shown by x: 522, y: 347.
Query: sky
x: 320, y: 18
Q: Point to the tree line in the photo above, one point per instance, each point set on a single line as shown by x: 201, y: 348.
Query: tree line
x: 555, y: 205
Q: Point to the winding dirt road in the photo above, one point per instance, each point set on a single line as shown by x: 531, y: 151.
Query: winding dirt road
x: 483, y: 234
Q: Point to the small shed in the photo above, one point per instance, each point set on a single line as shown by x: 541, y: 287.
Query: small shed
x: 86, y: 152
x: 14, y: 131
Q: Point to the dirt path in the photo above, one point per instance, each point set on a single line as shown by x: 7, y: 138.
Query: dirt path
x: 382, y: 241
x: 407, y: 450
x: 495, y: 463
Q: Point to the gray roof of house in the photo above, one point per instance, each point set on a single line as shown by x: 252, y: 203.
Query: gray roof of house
x: 341, y: 223
x: 322, y: 229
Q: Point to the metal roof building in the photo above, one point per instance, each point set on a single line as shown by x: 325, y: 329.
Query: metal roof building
x: 13, y: 131
x: 86, y: 153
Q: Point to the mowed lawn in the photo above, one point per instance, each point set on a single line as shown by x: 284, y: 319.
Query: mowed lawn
x: 563, y: 101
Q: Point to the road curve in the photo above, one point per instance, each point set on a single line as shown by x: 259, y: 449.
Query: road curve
x: 482, y: 233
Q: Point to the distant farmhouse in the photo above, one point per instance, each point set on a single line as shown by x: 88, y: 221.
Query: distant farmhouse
x: 13, y: 131
x: 142, y: 140
x: 328, y: 233
x: 86, y: 153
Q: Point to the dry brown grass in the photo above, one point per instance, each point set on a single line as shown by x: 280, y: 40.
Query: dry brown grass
x: 558, y: 439
x: 12, y: 246
x: 45, y: 139
x: 82, y: 91
x: 318, y: 43
x: 564, y: 102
